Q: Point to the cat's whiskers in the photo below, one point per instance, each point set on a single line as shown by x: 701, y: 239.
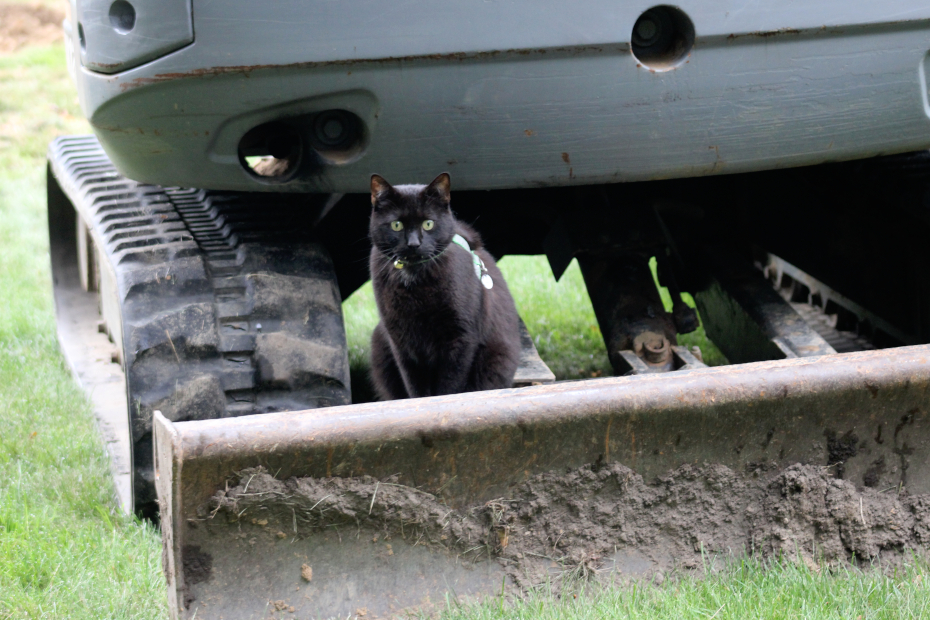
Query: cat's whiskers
x: 385, y: 265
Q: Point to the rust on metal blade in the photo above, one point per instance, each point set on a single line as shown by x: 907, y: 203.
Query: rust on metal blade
x: 369, y: 438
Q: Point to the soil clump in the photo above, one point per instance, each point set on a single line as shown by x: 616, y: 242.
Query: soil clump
x: 28, y: 24
x: 606, y: 520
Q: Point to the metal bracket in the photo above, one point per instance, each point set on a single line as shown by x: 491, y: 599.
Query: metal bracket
x: 682, y: 359
x: 747, y: 319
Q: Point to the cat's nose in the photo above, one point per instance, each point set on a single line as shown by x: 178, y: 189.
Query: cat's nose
x: 413, y: 241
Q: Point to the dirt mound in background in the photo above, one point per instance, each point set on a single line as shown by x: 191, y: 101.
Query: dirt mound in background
x: 607, y: 520
x: 28, y: 24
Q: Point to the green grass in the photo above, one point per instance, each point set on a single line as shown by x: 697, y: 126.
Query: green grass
x: 558, y: 316
x: 742, y: 591
x: 66, y: 552
x: 38, y: 103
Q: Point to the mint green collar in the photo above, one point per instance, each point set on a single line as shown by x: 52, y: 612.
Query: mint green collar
x: 460, y: 241
x: 480, y: 270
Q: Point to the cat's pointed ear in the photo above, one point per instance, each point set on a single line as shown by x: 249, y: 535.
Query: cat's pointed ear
x: 379, y: 187
x: 441, y: 187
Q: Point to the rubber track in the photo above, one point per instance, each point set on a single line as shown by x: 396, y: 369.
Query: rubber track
x: 227, y: 308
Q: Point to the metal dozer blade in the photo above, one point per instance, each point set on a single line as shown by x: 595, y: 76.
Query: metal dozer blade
x: 377, y: 508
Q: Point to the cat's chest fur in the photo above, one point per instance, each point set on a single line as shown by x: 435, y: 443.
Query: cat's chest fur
x: 442, y: 304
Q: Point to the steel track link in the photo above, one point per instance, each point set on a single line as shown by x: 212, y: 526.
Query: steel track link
x: 220, y: 303
x: 843, y: 323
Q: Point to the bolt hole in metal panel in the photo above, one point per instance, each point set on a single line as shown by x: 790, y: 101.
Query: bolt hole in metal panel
x: 114, y: 36
x: 122, y: 17
x: 662, y: 38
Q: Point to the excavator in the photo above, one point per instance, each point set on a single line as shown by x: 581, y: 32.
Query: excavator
x: 771, y: 159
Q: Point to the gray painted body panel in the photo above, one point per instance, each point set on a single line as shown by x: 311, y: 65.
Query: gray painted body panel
x: 519, y: 94
x: 158, y: 27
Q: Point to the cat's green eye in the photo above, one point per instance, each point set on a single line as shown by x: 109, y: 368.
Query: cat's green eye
x: 397, y: 225
x: 428, y: 225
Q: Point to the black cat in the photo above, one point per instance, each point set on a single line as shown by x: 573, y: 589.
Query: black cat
x: 448, y: 322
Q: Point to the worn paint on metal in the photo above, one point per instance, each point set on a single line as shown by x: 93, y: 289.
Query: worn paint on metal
x: 248, y: 70
x: 762, y: 88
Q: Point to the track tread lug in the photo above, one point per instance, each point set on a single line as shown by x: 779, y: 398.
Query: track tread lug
x: 238, y: 328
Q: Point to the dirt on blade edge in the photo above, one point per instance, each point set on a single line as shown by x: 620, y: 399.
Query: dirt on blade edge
x: 591, y: 521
